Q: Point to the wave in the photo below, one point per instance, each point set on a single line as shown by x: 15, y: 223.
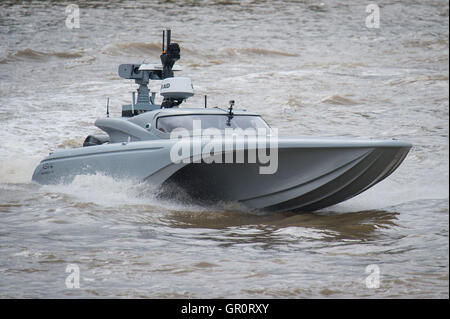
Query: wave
x: 132, y: 48
x: 143, y: 49
x: 339, y: 100
x: 104, y: 190
x: 319, y: 7
x: 395, y: 194
x: 225, y: 3
x: 427, y: 44
x: 17, y: 169
x: 231, y: 52
x: 70, y: 143
x: 420, y: 78
x: 34, y: 55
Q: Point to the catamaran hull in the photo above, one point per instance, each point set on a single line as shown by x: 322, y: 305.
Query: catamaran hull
x: 311, y: 173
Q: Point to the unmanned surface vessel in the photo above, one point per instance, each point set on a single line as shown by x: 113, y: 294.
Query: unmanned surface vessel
x: 301, y: 174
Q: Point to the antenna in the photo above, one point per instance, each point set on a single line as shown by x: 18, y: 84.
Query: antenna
x: 107, y: 108
x: 206, y: 101
x: 230, y: 113
x: 230, y: 109
x: 169, y: 56
x: 163, y: 50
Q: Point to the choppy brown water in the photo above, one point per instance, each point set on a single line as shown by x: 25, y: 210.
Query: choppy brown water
x: 310, y: 68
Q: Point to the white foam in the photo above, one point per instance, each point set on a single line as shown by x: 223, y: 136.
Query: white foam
x: 105, y: 190
x: 17, y: 169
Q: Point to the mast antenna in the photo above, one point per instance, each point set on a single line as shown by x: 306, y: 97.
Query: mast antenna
x: 230, y: 113
x: 170, y: 54
x: 163, y: 50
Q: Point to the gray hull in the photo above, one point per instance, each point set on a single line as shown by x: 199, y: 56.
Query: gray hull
x: 312, y: 173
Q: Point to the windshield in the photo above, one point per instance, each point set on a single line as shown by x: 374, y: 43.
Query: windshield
x: 168, y: 123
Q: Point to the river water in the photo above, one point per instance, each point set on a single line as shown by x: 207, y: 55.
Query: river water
x: 309, y: 67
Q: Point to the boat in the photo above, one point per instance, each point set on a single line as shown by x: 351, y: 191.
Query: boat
x: 219, y: 153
